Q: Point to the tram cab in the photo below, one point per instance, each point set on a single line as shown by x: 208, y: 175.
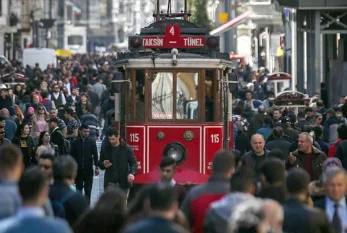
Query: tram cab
x: 279, y: 82
x: 174, y: 100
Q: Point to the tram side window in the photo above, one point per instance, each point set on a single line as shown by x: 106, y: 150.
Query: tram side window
x: 209, y: 100
x: 162, y: 95
x: 140, y: 96
x: 187, y: 96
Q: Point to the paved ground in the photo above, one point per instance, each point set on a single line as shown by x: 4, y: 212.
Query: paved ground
x: 98, y: 183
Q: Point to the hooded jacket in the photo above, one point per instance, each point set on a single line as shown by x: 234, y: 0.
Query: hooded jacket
x: 217, y: 218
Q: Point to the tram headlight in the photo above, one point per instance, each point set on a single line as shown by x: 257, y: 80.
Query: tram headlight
x: 135, y: 42
x: 212, y: 42
x: 176, y: 151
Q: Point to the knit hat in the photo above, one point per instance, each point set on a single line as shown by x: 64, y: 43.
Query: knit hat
x: 12, y: 111
x: 331, y: 162
x: 31, y: 110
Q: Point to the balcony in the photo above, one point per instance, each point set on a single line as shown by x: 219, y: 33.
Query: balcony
x: 260, y: 2
x: 314, y: 4
x: 4, y: 19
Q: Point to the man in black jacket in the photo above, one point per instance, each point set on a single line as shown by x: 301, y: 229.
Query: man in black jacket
x: 307, y: 157
x: 84, y: 151
x: 66, y: 203
x: 298, y: 217
x: 57, y: 136
x: 119, y: 161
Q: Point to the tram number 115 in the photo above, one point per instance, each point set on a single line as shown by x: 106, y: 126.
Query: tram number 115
x: 215, y: 138
x: 134, y: 137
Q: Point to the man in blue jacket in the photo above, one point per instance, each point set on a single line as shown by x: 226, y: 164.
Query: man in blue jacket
x: 330, y: 127
x: 84, y: 151
x: 31, y: 217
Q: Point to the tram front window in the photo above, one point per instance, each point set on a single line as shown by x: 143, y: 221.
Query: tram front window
x: 162, y: 95
x: 187, y: 96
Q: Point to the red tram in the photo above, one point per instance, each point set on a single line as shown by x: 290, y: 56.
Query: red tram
x: 174, y: 98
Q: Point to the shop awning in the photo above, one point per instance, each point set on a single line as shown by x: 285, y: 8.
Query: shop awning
x: 232, y: 23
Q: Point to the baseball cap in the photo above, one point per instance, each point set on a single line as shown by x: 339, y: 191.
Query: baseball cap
x: 285, y: 120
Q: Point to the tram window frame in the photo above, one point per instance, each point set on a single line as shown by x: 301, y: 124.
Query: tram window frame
x: 201, y: 91
x: 136, y: 99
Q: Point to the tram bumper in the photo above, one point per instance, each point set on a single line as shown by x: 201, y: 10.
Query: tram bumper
x: 184, y: 177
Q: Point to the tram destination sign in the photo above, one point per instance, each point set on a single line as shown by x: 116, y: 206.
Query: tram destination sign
x: 173, y: 39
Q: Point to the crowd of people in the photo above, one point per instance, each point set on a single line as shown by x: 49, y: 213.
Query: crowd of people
x: 287, y: 172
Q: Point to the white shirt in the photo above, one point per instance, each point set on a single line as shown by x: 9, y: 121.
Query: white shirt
x: 342, y: 210
x: 172, y: 182
x: 56, y: 96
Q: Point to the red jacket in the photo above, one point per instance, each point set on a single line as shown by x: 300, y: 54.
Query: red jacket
x: 199, y: 199
x: 333, y: 147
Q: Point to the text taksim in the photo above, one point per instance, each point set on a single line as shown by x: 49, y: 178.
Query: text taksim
x: 153, y: 42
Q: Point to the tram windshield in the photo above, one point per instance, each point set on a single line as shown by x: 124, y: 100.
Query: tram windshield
x: 187, y: 96
x: 183, y: 86
x: 162, y: 95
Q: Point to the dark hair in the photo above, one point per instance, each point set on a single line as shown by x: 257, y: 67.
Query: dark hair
x: 112, y: 132
x: 47, y: 156
x: 162, y: 197
x: 109, y: 212
x: 297, y: 181
x: 69, y: 111
x: 306, y: 128
x: 276, y: 153
x: 42, y: 134
x: 238, y: 110
x: 318, y: 132
x: 44, y: 94
x: 88, y: 107
x: 64, y: 167
x: 301, y: 115
x: 223, y: 161
x: 342, y: 131
x: 54, y: 119
x: 84, y: 126
x: 10, y: 156
x: 2, y: 118
x: 167, y: 161
x: 292, y: 117
x: 242, y: 180
x: 20, y: 129
x: 277, y: 132
x: 273, y: 170
x: 136, y: 206
x: 268, y: 121
x: 31, y: 184
x: 237, y: 155
x: 320, y: 103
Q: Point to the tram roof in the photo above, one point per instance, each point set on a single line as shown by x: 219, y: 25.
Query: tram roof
x: 184, y: 60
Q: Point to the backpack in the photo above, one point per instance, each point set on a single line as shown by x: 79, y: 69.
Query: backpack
x: 47, y: 105
x: 58, y: 205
